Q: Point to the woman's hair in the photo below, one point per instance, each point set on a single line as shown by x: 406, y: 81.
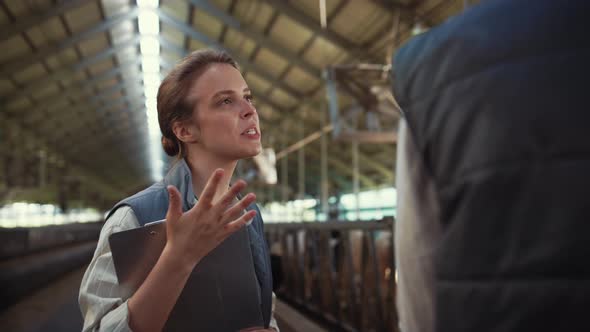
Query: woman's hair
x: 173, y: 102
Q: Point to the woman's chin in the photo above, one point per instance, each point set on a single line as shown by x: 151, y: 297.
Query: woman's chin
x: 250, y: 152
x: 256, y: 151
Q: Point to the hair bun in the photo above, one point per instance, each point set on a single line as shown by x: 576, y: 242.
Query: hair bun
x: 170, y: 146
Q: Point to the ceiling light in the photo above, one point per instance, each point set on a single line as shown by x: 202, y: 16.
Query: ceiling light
x: 150, y: 64
x: 153, y: 124
x: 151, y: 79
x: 150, y: 91
x: 149, y: 28
x: 148, y: 22
x: 147, y: 3
x: 150, y: 104
x: 149, y: 45
x: 323, y: 19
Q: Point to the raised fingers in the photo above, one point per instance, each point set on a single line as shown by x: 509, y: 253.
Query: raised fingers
x: 236, y: 210
x: 229, y: 196
x: 211, y: 186
x: 240, y: 222
x: 174, y: 204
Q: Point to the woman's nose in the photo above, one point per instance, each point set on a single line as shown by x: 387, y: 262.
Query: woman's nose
x: 247, y: 110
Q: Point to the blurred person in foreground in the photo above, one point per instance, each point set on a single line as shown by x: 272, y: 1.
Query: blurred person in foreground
x: 208, y: 122
x: 493, y: 230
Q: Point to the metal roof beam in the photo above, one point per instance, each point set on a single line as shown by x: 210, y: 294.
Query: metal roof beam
x: 71, y: 69
x: 82, y: 106
x: 365, y: 159
x: 387, y: 173
x: 355, y: 51
x: 408, y: 11
x: 343, y: 166
x: 80, y: 88
x: 100, y: 108
x: 24, y: 23
x: 15, y: 66
x: 134, y: 152
x: 129, y: 101
x: 96, y: 181
x: 258, y: 37
x: 191, y: 32
x: 81, y: 126
x: 94, y: 143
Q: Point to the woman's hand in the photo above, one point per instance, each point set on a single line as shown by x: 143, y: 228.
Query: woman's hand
x: 193, y: 234
x: 190, y: 236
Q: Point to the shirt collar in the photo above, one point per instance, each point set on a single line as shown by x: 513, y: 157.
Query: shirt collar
x: 180, y: 177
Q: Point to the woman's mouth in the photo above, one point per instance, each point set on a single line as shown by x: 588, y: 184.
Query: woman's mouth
x: 251, y: 133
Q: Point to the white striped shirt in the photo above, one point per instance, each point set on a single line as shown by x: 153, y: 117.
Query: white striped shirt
x: 100, y: 298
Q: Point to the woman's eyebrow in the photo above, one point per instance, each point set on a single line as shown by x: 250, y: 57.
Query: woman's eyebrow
x: 229, y: 92
x: 223, y: 92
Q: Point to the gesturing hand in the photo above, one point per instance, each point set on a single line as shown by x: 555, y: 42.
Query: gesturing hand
x: 193, y: 234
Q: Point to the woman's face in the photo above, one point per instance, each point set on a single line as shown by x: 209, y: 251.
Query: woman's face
x: 224, y: 114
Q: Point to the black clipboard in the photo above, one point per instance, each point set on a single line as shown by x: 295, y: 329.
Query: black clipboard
x: 221, y: 294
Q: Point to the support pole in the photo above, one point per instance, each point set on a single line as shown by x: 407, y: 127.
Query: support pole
x: 284, y: 170
x: 355, y: 179
x: 301, y: 167
x: 42, y: 168
x: 324, y: 167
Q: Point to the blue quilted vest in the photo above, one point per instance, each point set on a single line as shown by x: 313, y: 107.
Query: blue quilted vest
x: 496, y: 100
x: 151, y: 204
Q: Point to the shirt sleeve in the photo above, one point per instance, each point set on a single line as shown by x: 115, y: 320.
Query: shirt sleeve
x: 273, y: 322
x: 100, y: 298
x: 417, y: 231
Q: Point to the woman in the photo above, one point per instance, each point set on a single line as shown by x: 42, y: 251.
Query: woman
x: 208, y: 121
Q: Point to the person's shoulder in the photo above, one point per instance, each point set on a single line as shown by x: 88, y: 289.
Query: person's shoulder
x: 123, y: 218
x: 257, y: 222
x: 151, y: 192
x: 154, y: 196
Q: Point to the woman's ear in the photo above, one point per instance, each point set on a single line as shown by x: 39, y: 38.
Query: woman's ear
x: 186, y: 132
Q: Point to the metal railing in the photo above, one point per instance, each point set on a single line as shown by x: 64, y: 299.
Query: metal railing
x: 31, y: 258
x: 340, y: 271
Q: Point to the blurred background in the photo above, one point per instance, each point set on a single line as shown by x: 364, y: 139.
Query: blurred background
x: 79, y: 131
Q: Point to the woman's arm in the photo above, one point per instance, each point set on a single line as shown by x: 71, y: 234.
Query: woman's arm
x: 102, y: 302
x: 417, y: 232
x: 190, y: 237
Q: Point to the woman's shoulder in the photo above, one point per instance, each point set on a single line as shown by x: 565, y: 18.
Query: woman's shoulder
x: 257, y: 222
x: 122, y: 219
x: 147, y: 205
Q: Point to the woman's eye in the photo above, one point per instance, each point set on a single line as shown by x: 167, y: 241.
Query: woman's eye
x: 250, y: 99
x: 226, y: 101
